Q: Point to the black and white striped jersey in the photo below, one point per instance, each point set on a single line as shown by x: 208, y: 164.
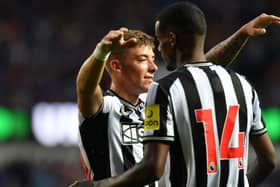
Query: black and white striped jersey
x: 206, y: 113
x: 111, y: 141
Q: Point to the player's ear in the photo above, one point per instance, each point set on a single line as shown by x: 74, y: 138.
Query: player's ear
x: 172, y: 39
x: 115, y: 65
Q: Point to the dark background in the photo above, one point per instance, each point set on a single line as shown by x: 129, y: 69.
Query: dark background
x: 43, y: 44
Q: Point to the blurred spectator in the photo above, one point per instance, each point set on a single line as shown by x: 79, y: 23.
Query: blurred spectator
x: 43, y: 44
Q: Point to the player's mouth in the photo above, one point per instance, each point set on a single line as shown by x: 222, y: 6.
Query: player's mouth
x: 151, y: 78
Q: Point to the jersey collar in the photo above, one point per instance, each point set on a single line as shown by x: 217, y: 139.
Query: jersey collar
x: 140, y: 105
x: 199, y: 64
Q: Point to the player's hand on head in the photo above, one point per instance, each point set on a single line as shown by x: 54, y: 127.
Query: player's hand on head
x: 258, y: 25
x: 114, y: 40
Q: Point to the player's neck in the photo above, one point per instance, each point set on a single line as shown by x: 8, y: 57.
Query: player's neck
x: 191, y: 53
x: 130, y: 97
x: 187, y: 58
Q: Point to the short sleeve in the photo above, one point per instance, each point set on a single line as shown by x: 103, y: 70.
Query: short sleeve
x: 158, y: 123
x: 258, y: 125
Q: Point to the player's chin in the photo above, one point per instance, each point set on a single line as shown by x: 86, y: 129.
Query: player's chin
x: 148, y: 82
x: 145, y: 87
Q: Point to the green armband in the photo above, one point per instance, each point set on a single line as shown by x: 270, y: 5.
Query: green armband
x: 100, y: 55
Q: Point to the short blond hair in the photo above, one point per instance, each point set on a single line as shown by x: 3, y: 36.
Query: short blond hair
x: 142, y: 39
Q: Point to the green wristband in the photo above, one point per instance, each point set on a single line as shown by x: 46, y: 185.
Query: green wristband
x: 100, y: 55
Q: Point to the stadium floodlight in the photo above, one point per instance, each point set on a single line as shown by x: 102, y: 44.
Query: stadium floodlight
x: 55, y: 123
x: 14, y: 124
x: 271, y: 117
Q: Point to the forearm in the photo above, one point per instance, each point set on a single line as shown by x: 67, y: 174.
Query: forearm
x: 258, y: 173
x: 225, y: 52
x: 91, y: 72
x: 138, y: 176
x: 90, y: 75
x: 150, y: 169
x: 265, y: 161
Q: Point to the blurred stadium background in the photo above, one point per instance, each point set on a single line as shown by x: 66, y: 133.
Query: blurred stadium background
x: 43, y: 44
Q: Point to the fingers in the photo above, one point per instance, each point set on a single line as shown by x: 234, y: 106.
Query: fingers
x: 112, y: 40
x: 115, y: 41
x: 114, y: 35
x: 121, y: 40
x: 258, y: 25
x: 130, y: 42
x: 265, y: 20
x: 275, y: 20
x: 260, y: 31
x: 118, y: 34
x: 123, y: 29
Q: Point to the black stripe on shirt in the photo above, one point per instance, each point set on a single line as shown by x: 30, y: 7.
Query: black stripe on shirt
x: 221, y: 112
x: 162, y: 99
x: 128, y: 158
x: 178, y: 170
x: 199, y: 144
x: 242, y: 115
x: 94, y: 138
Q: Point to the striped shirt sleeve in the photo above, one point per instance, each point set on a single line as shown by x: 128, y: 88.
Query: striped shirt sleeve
x: 158, y: 124
x: 258, y: 126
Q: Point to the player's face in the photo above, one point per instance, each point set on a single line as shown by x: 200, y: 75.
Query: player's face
x: 165, y: 48
x: 138, y: 68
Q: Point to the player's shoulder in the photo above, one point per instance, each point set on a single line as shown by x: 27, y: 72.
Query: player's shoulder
x: 110, y: 101
x: 242, y: 77
x: 168, y: 80
x: 163, y: 84
x: 245, y: 82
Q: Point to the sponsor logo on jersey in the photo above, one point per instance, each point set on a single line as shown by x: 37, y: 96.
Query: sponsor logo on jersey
x: 152, y: 118
x: 131, y: 133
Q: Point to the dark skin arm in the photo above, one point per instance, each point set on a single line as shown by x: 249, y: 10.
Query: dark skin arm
x: 225, y: 52
x: 266, y: 159
x: 150, y: 168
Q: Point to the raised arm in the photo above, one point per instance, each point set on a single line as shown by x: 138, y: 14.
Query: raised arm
x: 225, y: 52
x: 89, y: 92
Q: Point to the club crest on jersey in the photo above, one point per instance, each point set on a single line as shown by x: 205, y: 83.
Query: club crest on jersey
x: 125, y: 111
x: 152, y: 118
x: 131, y: 133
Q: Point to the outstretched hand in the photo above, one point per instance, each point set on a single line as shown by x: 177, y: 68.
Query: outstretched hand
x: 114, y: 41
x: 258, y: 25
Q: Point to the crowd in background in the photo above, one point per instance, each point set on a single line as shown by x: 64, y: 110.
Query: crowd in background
x: 43, y: 44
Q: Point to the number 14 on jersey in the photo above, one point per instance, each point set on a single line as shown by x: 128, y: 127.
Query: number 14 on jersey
x: 226, y: 152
